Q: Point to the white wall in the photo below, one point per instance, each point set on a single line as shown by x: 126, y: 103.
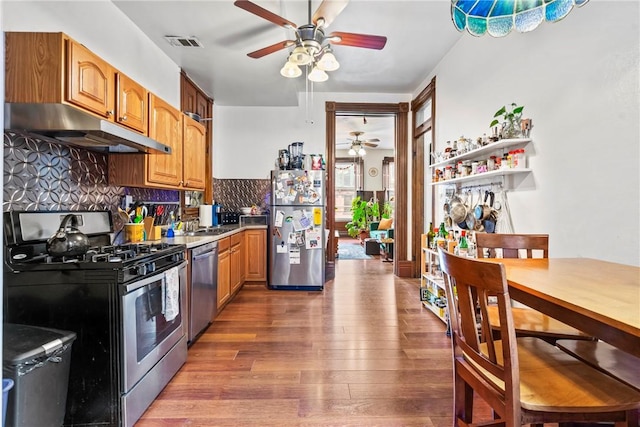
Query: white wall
x: 246, y: 140
x: 579, y: 81
x: 113, y: 37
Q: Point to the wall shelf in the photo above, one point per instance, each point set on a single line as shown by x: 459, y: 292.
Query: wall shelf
x: 476, y: 177
x: 474, y: 154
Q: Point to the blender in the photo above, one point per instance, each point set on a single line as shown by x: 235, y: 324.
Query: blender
x: 296, y: 156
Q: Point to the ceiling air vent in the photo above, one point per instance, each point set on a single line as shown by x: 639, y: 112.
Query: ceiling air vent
x: 183, y: 41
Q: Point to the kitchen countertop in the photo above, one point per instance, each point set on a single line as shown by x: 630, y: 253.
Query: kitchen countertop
x: 194, y: 241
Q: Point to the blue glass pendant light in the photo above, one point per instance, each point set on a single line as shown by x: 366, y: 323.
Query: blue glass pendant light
x: 499, y: 17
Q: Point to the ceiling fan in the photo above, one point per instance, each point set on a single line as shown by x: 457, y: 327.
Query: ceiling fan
x: 311, y: 36
x: 357, y: 145
x: 360, y: 142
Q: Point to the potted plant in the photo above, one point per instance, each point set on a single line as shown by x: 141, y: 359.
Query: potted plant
x: 362, y: 213
x: 510, y: 120
x: 387, y: 210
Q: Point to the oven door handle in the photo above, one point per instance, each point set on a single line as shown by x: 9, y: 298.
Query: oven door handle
x: 130, y: 287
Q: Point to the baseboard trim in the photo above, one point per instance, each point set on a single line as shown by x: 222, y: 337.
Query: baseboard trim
x: 405, y: 268
x: 329, y: 270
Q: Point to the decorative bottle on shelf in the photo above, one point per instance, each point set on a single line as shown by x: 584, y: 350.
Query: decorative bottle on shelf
x: 463, y: 249
x: 443, y: 231
x: 430, y: 236
x: 441, y: 238
x: 434, y: 238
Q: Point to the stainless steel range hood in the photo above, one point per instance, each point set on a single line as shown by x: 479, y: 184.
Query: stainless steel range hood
x: 69, y: 125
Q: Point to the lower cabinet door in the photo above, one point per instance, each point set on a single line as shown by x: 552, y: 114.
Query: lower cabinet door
x: 224, y: 274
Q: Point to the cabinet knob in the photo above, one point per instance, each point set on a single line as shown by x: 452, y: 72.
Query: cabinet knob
x: 109, y: 112
x: 123, y: 118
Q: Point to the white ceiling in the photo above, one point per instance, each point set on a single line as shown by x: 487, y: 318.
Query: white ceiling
x: 380, y: 127
x: 419, y: 33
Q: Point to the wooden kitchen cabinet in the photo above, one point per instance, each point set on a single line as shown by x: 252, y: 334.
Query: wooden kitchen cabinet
x: 183, y: 169
x: 256, y: 257
x: 132, y: 104
x: 165, y: 126
x: 237, y: 258
x: 91, y: 81
x: 193, y: 99
x: 194, y: 148
x: 224, y: 271
x: 52, y: 68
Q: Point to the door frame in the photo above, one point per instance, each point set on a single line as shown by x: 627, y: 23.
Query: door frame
x: 419, y: 154
x: 401, y: 267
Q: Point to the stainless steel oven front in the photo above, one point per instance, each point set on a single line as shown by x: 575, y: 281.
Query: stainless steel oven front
x: 154, y: 339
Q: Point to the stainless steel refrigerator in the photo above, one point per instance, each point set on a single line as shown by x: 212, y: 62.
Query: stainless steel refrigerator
x: 297, y: 231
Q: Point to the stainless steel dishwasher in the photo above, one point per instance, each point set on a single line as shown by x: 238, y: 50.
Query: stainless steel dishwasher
x: 204, y: 288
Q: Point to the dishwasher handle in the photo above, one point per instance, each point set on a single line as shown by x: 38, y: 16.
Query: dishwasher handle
x: 205, y: 255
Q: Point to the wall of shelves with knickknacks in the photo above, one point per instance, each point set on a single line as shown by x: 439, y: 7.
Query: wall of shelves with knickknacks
x: 498, y: 158
x: 470, y: 170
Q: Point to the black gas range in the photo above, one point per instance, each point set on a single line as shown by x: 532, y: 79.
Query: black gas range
x: 25, y: 247
x: 126, y: 304
x: 126, y: 261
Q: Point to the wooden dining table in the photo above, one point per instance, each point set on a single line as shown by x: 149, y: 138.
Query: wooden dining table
x: 598, y: 297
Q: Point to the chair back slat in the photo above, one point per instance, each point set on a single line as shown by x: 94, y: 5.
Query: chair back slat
x: 512, y: 245
x: 468, y: 284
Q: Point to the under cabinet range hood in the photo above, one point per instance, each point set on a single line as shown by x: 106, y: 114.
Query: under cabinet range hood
x: 68, y: 125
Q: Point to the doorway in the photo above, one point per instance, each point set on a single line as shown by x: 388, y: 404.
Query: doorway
x: 399, y: 112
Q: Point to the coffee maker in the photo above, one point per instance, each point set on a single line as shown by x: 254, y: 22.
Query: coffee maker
x: 296, y: 158
x: 283, y: 159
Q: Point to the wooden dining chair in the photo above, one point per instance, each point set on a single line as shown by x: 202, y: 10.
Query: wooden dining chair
x: 525, y: 380
x: 528, y: 322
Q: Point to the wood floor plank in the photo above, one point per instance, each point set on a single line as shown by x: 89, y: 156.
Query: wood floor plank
x: 362, y: 352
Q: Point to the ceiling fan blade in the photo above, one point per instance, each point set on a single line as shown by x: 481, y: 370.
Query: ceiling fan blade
x: 359, y: 40
x: 270, y: 49
x: 264, y: 13
x: 327, y: 11
x: 368, y: 144
x: 373, y: 140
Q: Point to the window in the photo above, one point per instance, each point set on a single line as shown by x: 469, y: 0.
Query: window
x: 348, y: 180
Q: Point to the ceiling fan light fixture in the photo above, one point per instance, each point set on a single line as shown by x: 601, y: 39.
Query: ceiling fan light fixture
x: 352, y: 152
x: 317, y: 75
x: 328, y: 62
x: 300, y: 56
x: 290, y: 70
x: 362, y: 151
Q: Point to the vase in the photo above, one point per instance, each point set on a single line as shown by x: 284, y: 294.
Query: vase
x: 511, y: 129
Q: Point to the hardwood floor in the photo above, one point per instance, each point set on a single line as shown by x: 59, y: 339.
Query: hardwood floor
x: 360, y: 353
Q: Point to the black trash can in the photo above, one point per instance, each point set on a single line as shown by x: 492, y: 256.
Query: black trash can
x: 37, y: 359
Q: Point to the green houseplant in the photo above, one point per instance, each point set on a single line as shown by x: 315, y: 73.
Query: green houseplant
x: 510, y: 120
x: 362, y: 213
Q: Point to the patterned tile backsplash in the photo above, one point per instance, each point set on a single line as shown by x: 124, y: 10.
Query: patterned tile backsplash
x: 233, y: 194
x: 43, y: 175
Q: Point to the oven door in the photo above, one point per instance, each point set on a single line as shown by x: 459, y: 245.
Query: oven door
x: 150, y: 324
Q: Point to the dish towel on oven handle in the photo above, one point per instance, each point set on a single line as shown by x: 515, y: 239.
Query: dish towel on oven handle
x: 171, y: 294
